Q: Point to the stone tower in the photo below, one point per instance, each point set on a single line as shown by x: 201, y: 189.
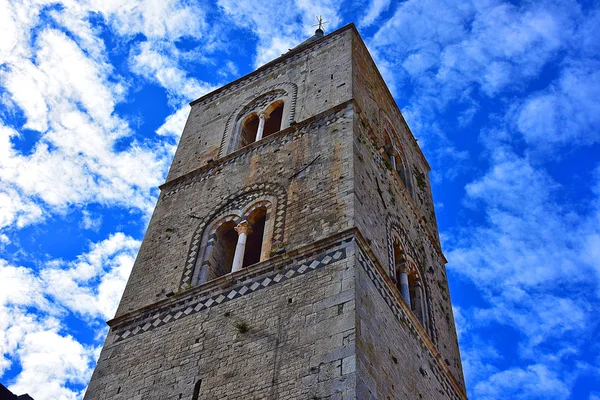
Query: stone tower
x: 293, y: 252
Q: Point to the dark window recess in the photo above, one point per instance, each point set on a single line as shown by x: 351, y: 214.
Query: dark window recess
x: 273, y: 124
x: 249, y: 129
x: 196, y: 394
x: 255, y: 240
x: 221, y: 256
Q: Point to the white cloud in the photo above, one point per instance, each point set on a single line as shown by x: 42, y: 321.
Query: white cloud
x: 19, y: 289
x: 229, y: 69
x: 54, y: 363
x: 375, y: 8
x: 533, y: 382
x: 164, y: 19
x: 565, y: 113
x: 280, y: 28
x: 90, y: 221
x: 74, y: 162
x: 49, y: 362
x: 159, y: 63
x: 175, y: 123
x: 444, y: 48
x: 531, y: 263
x: 18, y: 210
x: 92, y: 285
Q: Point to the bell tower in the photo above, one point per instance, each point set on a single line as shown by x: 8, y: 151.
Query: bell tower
x: 293, y: 252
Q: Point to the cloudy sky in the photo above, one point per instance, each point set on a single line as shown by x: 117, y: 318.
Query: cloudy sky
x: 502, y: 95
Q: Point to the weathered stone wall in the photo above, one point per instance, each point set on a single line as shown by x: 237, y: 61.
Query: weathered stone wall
x: 316, y: 78
x: 310, y: 164
x: 392, y: 359
x: 376, y: 105
x: 382, y: 202
x: 330, y: 183
x: 286, y: 335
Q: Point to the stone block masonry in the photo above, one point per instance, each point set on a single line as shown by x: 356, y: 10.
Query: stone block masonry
x: 341, y: 187
x: 285, y: 329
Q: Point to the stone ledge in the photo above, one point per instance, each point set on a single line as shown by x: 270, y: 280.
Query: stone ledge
x: 226, y: 288
x: 205, y: 171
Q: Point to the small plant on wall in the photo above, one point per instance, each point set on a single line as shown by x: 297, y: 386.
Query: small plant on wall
x: 242, y: 327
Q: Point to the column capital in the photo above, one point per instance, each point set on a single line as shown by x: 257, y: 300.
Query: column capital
x: 263, y: 115
x: 243, y: 227
x: 403, y: 267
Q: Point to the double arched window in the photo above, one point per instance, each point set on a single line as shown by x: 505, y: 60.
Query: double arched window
x: 259, y: 124
x: 236, y: 240
x: 397, y: 158
x: 410, y: 283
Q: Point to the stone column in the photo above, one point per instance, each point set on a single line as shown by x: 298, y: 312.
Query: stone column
x: 243, y: 229
x: 262, y: 117
x: 403, y: 277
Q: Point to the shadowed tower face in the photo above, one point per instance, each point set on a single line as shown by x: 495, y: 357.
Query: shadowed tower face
x: 293, y: 252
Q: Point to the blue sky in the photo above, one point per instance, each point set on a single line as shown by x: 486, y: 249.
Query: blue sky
x: 502, y: 95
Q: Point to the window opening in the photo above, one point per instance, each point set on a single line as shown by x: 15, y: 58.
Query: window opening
x: 409, y: 283
x: 223, y: 250
x: 196, y: 393
x: 388, y: 147
x: 403, y: 173
x: 273, y: 123
x: 249, y: 129
x: 401, y: 268
x: 416, y: 296
x: 254, y: 242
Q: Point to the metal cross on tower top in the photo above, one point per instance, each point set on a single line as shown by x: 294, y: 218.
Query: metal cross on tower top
x: 320, y: 22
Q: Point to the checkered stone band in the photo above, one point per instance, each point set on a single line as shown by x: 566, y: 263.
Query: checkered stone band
x: 253, y: 284
x: 392, y: 302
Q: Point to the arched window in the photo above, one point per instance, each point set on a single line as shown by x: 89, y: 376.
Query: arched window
x: 220, y: 252
x: 260, y: 124
x: 249, y: 129
x: 397, y: 159
x: 196, y: 394
x: 404, y: 172
x: 409, y: 283
x: 236, y: 240
x: 273, y: 121
x: 254, y: 242
x: 389, y: 149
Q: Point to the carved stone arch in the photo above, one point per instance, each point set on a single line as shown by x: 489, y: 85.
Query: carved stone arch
x: 394, y: 228
x: 230, y: 205
x: 257, y: 204
x: 208, y: 237
x: 287, y: 92
x: 386, y: 123
x: 402, y: 166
